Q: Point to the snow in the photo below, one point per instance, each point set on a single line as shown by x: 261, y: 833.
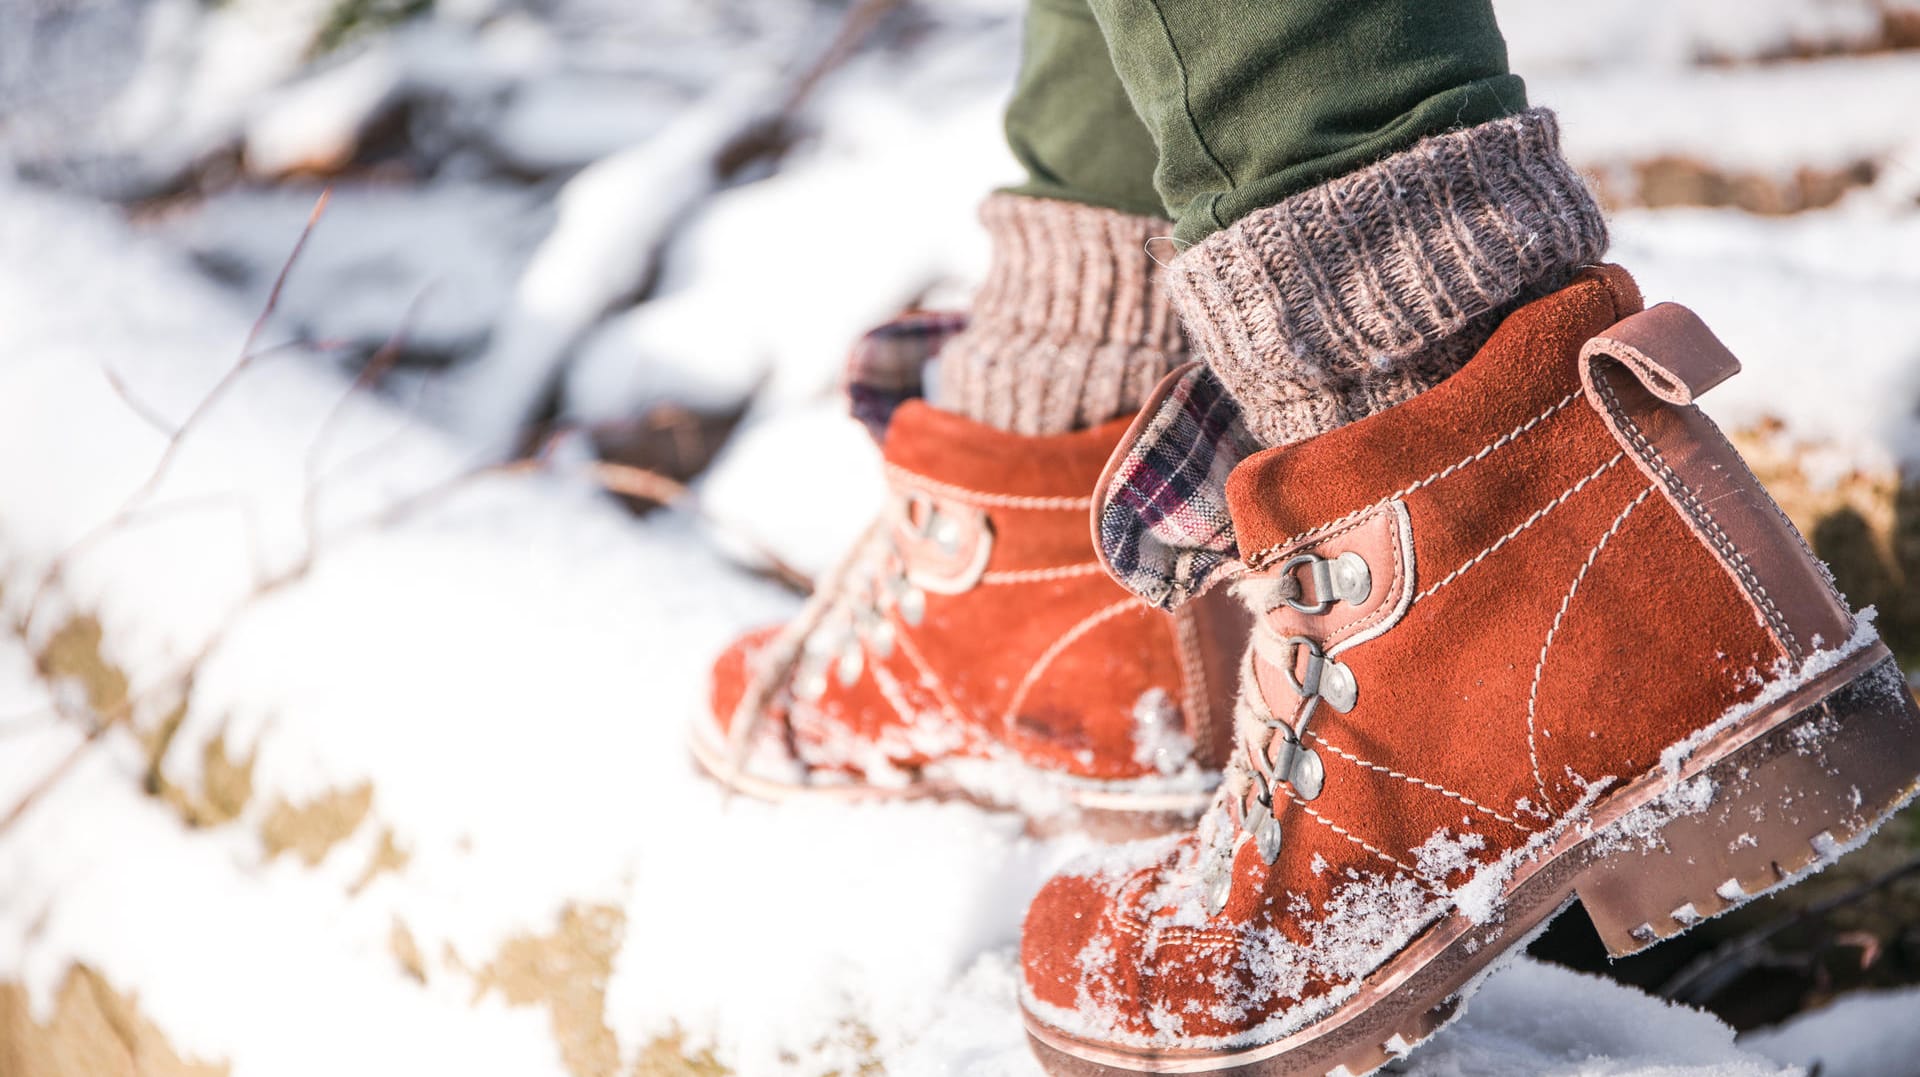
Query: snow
x: 600, y: 249
x: 574, y: 120
x: 1652, y: 34
x: 1551, y: 1021
x: 759, y: 483
x: 1782, y: 682
x: 315, y: 125
x: 509, y: 662
x: 1159, y: 741
x: 1733, y: 114
x: 436, y: 262
x: 1864, y: 1035
x: 1820, y: 309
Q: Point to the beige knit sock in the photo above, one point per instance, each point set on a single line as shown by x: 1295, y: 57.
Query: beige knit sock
x: 1071, y: 327
x: 1354, y: 296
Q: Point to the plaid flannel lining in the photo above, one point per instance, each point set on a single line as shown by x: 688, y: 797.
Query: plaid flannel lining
x: 887, y: 367
x: 1164, y: 527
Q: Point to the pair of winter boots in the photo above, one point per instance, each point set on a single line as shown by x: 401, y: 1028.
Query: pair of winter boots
x: 1411, y: 687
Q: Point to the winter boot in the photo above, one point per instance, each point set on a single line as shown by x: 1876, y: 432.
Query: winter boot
x: 1535, y: 634
x: 972, y: 647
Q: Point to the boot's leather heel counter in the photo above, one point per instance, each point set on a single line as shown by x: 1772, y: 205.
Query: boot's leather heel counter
x: 1642, y: 376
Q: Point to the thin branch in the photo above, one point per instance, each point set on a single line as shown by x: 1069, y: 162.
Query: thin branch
x: 52, y: 777
x: 247, y: 357
x: 766, y: 131
x: 652, y: 486
x: 96, y: 729
x: 378, y: 450
x: 134, y: 509
x: 146, y: 412
x: 168, y: 455
x: 371, y: 374
x: 855, y: 25
x: 638, y: 482
x: 160, y: 512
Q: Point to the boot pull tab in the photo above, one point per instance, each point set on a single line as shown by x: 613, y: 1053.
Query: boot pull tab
x: 1669, y: 349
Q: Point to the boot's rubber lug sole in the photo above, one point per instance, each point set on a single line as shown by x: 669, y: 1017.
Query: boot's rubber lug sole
x: 1784, y: 805
x: 1794, y: 786
x: 1109, y: 811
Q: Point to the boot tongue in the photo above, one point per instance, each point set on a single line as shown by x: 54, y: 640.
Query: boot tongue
x: 1161, y: 520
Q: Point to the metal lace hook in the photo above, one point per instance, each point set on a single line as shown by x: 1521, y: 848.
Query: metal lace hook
x: 1345, y: 578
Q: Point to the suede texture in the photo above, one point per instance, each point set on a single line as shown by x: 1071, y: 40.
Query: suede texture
x: 1043, y: 659
x: 1566, y: 628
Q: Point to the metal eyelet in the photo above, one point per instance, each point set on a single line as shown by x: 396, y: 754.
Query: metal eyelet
x: 1267, y: 836
x: 1296, y: 764
x: 1307, y: 774
x: 1218, y: 880
x: 1262, y: 792
x: 851, y: 663
x: 879, y: 637
x: 1343, y: 579
x: 1326, y: 678
x: 944, y: 530
x: 901, y: 596
x: 951, y: 531
x: 810, y: 682
x: 916, y: 511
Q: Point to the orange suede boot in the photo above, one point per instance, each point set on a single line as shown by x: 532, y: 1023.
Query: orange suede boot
x: 1535, y: 634
x: 972, y: 646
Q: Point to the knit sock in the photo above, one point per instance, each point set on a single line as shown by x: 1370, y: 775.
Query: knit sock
x: 1071, y: 327
x: 1349, y: 298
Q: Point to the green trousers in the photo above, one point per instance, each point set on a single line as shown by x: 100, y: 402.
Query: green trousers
x: 1206, y: 110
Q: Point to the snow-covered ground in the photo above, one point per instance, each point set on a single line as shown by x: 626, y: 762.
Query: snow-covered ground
x: 393, y: 779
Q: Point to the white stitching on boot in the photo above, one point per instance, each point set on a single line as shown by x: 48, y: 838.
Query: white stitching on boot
x: 1058, y: 647
x: 1530, y: 521
x: 1488, y: 450
x: 1540, y: 668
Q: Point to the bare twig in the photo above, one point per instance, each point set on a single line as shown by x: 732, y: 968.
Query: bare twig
x: 52, y: 777
x: 652, y: 486
x: 767, y: 133
x: 97, y: 727
x: 168, y: 455
x: 371, y: 374
x: 135, y: 509
x: 165, y: 426
x: 379, y: 449
x: 247, y: 358
x: 855, y: 25
x: 146, y: 412
x: 638, y: 482
x: 161, y: 511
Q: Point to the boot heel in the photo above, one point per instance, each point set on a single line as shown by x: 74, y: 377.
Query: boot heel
x: 1788, y: 803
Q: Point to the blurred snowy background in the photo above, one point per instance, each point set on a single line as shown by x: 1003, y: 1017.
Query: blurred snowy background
x: 348, y: 649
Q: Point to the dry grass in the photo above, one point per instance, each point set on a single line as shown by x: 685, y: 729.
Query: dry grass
x: 94, y: 1030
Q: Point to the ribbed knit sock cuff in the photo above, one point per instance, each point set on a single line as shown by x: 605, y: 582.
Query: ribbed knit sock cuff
x: 1361, y: 293
x: 1071, y: 327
